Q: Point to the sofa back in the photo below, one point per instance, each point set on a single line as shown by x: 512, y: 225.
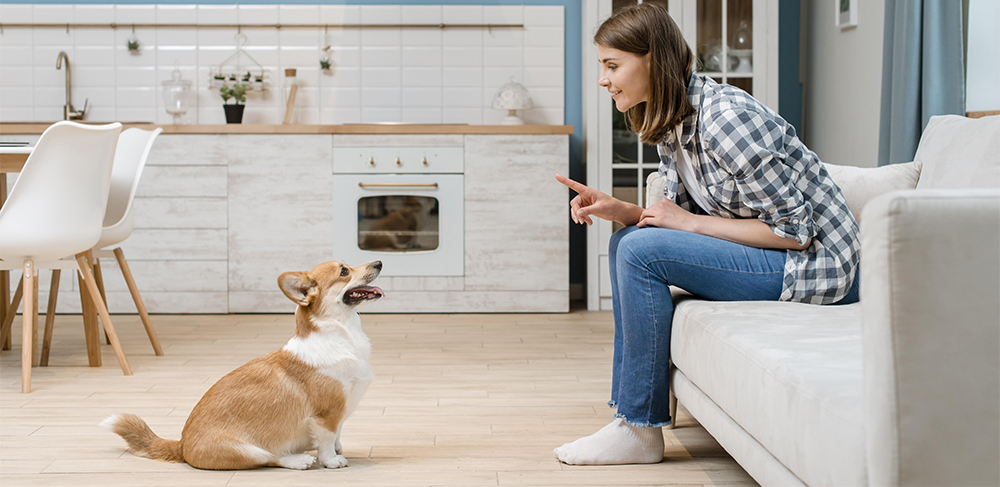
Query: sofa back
x: 954, y: 153
x: 959, y: 153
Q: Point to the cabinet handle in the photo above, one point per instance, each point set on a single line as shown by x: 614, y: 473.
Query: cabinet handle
x: 398, y: 185
x: 425, y: 161
x: 371, y: 162
x: 399, y: 162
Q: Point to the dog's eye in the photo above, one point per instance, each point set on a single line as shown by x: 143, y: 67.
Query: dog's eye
x: 344, y: 271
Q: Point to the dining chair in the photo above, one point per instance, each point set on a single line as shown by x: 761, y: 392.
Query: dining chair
x: 130, y: 158
x: 56, y: 209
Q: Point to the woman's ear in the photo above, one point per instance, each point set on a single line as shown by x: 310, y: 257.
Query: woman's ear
x: 299, y: 287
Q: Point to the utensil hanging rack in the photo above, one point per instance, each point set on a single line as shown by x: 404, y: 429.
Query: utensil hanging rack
x: 217, y: 77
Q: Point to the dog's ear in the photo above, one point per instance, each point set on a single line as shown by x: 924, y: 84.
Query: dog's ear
x: 299, y: 287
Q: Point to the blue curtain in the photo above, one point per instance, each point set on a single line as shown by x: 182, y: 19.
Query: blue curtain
x: 923, y: 72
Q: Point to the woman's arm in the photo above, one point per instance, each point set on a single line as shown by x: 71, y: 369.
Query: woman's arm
x: 748, y: 231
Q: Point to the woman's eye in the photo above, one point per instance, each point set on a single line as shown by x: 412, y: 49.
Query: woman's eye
x: 343, y: 271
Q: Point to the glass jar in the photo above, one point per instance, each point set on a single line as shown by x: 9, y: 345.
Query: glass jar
x: 176, y: 95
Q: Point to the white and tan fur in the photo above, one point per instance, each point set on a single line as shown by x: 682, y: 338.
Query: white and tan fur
x: 272, y: 409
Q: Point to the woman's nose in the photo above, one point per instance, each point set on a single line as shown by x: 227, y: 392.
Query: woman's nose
x: 605, y: 82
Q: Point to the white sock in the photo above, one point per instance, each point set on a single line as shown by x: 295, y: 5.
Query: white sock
x: 615, y: 444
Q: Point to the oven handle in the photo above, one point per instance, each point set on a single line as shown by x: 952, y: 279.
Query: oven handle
x: 398, y: 185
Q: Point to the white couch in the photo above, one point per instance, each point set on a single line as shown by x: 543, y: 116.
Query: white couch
x: 902, y: 388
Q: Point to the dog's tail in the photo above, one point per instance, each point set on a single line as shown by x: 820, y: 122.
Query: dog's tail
x: 141, y: 440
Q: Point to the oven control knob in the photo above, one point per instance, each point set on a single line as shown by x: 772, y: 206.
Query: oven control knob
x: 425, y: 161
x: 371, y: 162
x: 399, y: 162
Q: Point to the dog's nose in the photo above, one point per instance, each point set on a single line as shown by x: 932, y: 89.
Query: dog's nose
x: 377, y: 264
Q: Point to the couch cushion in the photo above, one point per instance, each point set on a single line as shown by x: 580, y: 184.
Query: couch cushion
x: 959, y: 152
x: 788, y: 373
x: 862, y: 184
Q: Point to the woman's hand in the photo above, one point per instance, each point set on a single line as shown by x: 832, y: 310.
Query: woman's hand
x: 666, y: 214
x: 591, y: 202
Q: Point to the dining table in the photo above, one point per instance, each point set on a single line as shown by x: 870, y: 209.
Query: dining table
x: 12, y: 159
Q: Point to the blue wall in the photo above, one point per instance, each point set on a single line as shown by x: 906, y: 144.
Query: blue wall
x: 789, y: 85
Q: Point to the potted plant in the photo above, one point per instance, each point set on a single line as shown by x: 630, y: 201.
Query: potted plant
x: 234, y: 112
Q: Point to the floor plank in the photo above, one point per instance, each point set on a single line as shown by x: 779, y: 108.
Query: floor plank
x: 459, y: 399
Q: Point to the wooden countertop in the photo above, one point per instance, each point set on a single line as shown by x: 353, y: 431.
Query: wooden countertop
x: 28, y: 128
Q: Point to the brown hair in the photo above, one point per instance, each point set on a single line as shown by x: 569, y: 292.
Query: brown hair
x: 648, y: 29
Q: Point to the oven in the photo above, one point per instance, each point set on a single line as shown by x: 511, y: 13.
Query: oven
x: 401, y: 205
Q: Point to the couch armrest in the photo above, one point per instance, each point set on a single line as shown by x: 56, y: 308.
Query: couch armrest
x: 930, y: 299
x: 654, y: 188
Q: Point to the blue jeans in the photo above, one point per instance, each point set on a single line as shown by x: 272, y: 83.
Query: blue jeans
x: 644, y: 262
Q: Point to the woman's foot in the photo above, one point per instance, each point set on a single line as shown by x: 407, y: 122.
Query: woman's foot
x: 615, y: 444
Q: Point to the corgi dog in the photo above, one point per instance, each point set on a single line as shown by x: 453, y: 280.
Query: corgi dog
x: 272, y: 409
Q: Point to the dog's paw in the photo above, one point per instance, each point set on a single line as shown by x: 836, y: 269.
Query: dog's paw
x: 338, y: 461
x: 301, y: 461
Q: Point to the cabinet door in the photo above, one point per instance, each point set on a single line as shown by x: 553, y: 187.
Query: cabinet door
x: 516, y: 216
x: 280, y: 217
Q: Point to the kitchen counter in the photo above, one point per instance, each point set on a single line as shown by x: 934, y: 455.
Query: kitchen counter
x: 222, y: 210
x: 20, y: 128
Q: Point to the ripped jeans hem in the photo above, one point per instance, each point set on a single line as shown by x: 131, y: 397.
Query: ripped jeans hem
x: 646, y: 424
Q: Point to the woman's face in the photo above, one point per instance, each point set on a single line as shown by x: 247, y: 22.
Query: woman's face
x: 625, y: 75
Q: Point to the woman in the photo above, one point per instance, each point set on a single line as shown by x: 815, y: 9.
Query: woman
x: 749, y: 213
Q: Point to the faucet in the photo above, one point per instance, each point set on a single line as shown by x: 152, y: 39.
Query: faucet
x: 68, y: 112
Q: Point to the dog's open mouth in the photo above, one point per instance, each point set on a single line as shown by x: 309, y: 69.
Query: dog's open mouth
x: 362, y: 293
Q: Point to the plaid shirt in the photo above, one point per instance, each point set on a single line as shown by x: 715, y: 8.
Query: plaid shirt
x: 749, y: 164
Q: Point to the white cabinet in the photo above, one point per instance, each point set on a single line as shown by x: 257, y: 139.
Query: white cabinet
x: 218, y: 217
x: 715, y: 30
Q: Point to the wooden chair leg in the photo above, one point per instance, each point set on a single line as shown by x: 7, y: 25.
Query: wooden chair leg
x: 8, y: 321
x: 88, y: 279
x: 50, y: 317
x: 5, y: 340
x: 4, y: 298
x: 90, y: 331
x: 28, y: 325
x: 127, y: 273
x: 34, y: 318
x: 99, y: 279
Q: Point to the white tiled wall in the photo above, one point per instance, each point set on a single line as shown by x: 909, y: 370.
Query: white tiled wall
x: 409, y: 75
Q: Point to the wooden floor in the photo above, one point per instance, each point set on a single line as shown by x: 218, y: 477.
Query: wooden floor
x: 463, y: 400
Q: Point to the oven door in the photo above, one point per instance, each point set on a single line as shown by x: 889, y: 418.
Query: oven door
x: 413, y: 223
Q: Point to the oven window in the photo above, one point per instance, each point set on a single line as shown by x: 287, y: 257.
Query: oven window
x: 397, y: 223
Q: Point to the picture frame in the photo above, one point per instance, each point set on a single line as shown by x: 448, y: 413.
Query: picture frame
x: 847, y: 13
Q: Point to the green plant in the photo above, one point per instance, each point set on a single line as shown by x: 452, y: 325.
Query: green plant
x: 237, y: 91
